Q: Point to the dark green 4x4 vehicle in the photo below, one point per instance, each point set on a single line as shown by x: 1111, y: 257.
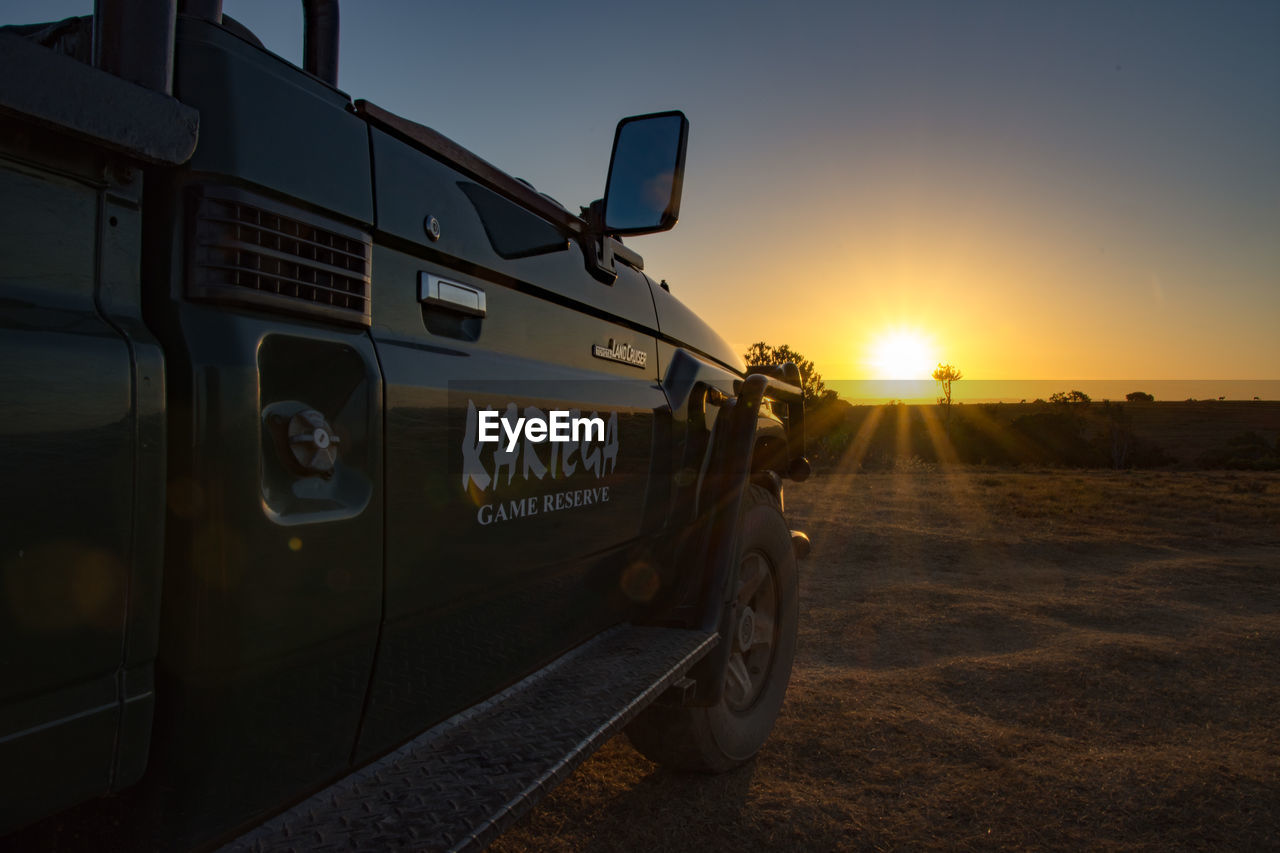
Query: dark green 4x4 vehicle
x: 265, y: 583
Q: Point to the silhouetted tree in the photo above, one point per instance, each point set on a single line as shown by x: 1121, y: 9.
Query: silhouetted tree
x: 944, y: 375
x: 1139, y: 397
x: 810, y: 380
x: 1071, y: 397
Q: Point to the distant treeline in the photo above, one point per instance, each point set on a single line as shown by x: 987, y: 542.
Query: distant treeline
x: 1055, y: 434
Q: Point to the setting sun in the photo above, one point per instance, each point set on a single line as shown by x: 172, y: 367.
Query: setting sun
x: 902, y: 354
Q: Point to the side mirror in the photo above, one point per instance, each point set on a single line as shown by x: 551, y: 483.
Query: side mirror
x: 646, y: 174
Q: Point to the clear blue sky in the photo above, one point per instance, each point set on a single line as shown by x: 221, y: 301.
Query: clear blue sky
x: 1032, y: 190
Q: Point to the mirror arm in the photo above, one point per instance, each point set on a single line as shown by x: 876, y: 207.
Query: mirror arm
x: 626, y: 254
x: 597, y: 247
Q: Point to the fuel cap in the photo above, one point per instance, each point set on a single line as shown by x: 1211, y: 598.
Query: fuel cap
x: 312, y: 440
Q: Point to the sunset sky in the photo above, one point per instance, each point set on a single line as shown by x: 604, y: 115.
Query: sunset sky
x: 1028, y: 190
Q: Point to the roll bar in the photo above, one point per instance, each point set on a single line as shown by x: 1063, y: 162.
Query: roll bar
x: 134, y: 40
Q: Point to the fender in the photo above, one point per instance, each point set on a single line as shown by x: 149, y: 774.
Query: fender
x: 736, y: 428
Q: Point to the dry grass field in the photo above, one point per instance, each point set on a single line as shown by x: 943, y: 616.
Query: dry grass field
x: 1186, y: 430
x: 996, y: 659
x: 1238, y: 435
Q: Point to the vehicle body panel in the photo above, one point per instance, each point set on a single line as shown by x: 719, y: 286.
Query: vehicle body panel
x: 82, y: 394
x: 548, y: 578
x: 265, y: 122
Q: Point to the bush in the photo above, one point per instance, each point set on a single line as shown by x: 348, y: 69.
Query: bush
x: 1072, y: 397
x: 811, y: 384
x: 1139, y: 397
x: 1058, y: 438
x: 1247, y: 451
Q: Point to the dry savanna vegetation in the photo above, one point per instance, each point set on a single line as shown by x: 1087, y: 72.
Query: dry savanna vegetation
x: 1240, y: 435
x: 995, y: 658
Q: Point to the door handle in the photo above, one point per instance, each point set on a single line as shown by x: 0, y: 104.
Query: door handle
x: 450, y: 295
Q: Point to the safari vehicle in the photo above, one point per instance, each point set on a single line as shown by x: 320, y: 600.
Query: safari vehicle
x: 261, y: 585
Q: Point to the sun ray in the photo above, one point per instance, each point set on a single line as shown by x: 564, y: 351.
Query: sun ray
x: 852, y: 459
x: 902, y: 434
x: 1006, y: 439
x: 957, y: 479
x: 944, y: 451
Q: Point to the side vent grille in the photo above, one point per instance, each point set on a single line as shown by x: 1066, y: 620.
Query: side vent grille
x: 250, y: 250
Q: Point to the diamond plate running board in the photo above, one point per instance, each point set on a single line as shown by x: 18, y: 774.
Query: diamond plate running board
x: 462, y: 783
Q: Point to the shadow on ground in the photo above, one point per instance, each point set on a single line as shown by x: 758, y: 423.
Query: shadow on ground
x: 989, y: 659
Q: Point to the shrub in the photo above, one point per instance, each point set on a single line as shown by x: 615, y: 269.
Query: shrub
x: 1072, y: 397
x: 1058, y: 438
x: 1247, y: 451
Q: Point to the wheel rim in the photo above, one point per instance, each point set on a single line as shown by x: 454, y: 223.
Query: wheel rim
x: 754, y: 634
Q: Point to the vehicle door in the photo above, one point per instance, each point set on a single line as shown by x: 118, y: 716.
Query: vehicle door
x: 498, y: 559
x: 81, y: 395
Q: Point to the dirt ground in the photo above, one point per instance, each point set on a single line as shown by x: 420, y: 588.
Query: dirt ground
x: 996, y: 659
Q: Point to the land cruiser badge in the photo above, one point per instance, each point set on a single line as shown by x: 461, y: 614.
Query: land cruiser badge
x: 624, y: 353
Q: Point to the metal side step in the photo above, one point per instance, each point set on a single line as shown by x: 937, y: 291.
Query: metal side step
x: 460, y: 784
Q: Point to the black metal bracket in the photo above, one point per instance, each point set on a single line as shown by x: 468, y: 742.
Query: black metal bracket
x: 785, y: 387
x: 597, y: 248
x: 600, y: 249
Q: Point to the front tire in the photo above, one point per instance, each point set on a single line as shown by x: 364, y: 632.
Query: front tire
x: 728, y: 734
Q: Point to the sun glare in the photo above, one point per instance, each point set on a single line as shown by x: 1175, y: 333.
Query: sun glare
x: 902, y: 354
